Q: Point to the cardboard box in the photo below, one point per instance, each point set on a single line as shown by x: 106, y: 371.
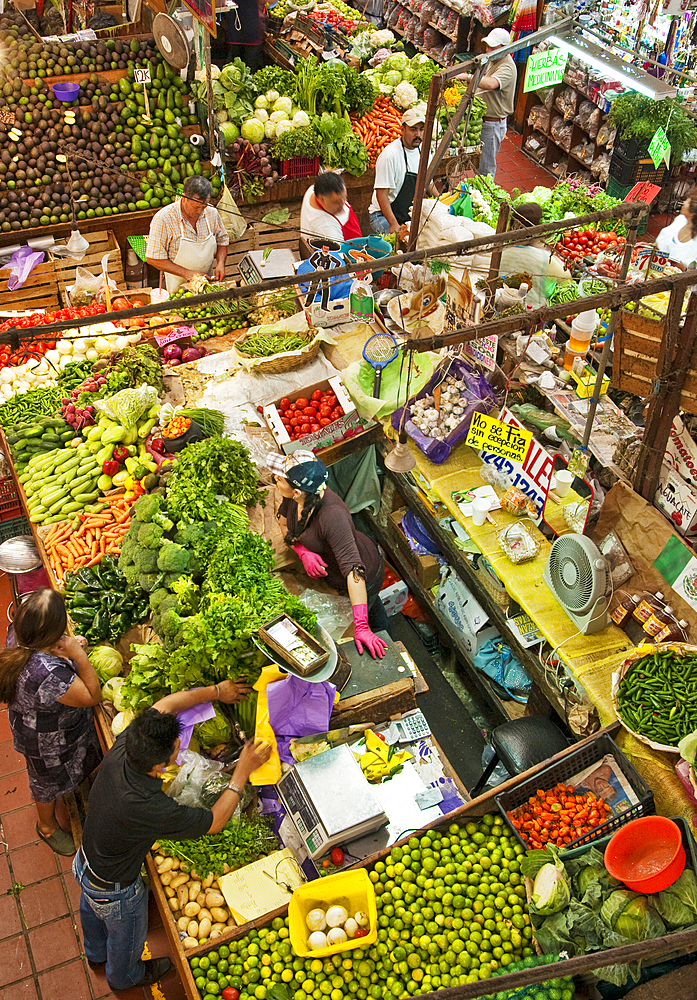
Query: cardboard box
x: 336, y: 431
x: 394, y: 596
x: 339, y: 311
x: 426, y: 568
x: 678, y: 501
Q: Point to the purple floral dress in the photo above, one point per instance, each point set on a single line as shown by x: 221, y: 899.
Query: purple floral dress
x: 59, y: 742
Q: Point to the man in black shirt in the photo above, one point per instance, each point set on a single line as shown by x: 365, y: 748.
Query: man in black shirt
x: 128, y: 812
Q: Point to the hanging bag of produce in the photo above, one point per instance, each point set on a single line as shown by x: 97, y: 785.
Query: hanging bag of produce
x: 230, y: 214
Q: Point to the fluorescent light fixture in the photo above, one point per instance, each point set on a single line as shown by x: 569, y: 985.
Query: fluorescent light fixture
x: 606, y: 67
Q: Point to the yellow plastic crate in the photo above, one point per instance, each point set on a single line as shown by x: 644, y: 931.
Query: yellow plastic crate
x: 352, y: 889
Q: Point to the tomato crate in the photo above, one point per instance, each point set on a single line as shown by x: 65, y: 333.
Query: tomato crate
x: 14, y: 527
x: 300, y: 166
x: 10, y: 506
x: 571, y: 765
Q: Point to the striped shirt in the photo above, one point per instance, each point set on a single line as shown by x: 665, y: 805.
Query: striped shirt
x: 165, y: 233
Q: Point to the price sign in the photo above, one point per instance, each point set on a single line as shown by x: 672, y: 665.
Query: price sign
x: 544, y: 69
x: 179, y: 333
x: 659, y: 147
x: 141, y: 74
x: 483, y: 351
x: 533, y: 475
x: 506, y: 440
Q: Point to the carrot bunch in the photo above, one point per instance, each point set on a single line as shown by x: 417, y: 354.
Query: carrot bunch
x: 378, y: 127
x: 69, y: 547
x: 558, y: 816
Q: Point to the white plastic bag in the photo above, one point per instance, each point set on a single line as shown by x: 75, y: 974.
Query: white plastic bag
x: 193, y: 774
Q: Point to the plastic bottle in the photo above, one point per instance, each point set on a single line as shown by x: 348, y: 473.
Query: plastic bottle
x: 623, y: 612
x: 658, y: 621
x: 674, y: 632
x: 582, y: 329
x: 647, y: 606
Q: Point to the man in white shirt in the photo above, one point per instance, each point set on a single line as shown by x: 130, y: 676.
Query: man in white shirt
x: 326, y: 212
x: 395, y: 175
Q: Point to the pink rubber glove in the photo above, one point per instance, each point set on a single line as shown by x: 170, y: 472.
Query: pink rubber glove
x: 313, y: 564
x: 362, y: 635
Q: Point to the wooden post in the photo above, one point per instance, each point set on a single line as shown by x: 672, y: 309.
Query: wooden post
x: 665, y: 403
x: 209, y: 91
x: 431, y: 108
x: 501, y: 227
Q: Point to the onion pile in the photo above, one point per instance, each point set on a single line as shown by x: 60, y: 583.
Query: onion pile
x: 175, y: 355
x: 334, y: 926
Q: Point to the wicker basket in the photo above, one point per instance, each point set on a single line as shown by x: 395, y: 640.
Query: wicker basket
x: 277, y: 364
x: 646, y: 650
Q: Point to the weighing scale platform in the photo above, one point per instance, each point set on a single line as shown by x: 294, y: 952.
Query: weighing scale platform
x: 278, y: 264
x: 367, y: 673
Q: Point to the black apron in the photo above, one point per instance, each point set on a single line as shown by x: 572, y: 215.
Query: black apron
x: 404, y: 201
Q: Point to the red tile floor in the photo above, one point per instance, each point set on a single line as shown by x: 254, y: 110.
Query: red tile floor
x: 41, y: 956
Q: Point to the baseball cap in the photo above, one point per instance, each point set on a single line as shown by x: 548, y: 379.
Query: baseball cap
x: 497, y: 37
x: 311, y: 477
x: 415, y: 116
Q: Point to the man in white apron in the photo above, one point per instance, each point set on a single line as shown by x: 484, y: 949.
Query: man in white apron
x: 188, y: 237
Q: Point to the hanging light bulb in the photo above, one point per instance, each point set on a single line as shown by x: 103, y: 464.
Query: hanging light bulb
x: 400, y: 459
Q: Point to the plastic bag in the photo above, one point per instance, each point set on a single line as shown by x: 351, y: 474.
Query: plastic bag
x: 566, y: 102
x: 193, y: 774
x: 496, y: 660
x: 230, y: 214
x: 128, y: 406
x: 21, y: 264
x: 333, y: 611
x: 87, y: 287
x: 561, y: 133
x: 539, y: 117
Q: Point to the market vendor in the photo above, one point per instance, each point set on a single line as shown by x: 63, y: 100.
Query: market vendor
x: 128, y: 812
x: 532, y: 257
x: 50, y: 687
x: 497, y: 90
x: 326, y: 212
x: 395, y: 175
x: 679, y: 240
x: 188, y: 237
x: 317, y: 525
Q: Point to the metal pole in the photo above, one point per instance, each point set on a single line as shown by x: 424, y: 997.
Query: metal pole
x: 607, y: 346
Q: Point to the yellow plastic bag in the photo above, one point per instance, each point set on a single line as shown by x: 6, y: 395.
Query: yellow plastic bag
x: 270, y: 772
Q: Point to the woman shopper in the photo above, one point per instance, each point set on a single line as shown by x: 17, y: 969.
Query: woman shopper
x: 317, y: 525
x: 679, y: 240
x: 50, y: 687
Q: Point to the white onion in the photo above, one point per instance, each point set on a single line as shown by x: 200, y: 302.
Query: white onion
x: 6, y: 374
x: 64, y: 347
x: 134, y: 338
x: 350, y: 927
x: 52, y: 356
x: 102, y: 345
x: 6, y: 390
x: 79, y: 357
x: 65, y: 360
x: 337, y: 916
x: 121, y: 343
x: 361, y: 918
x: 316, y: 919
x: 79, y: 346
x: 43, y: 368
x: 91, y: 354
x: 318, y: 939
x: 336, y: 935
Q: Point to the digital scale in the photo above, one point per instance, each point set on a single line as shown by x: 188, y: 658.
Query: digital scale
x: 330, y: 801
x: 278, y: 264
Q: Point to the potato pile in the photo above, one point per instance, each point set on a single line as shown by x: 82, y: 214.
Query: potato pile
x: 197, y: 905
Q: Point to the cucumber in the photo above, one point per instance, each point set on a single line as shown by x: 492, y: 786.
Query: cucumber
x: 84, y: 498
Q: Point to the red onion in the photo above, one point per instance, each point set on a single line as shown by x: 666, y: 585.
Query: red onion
x: 190, y: 354
x: 172, y: 351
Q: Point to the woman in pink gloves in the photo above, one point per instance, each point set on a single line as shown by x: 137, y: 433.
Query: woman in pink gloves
x: 318, y: 526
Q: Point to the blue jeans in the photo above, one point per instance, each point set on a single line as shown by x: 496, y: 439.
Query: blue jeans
x: 379, y: 224
x: 493, y: 134
x: 114, y: 926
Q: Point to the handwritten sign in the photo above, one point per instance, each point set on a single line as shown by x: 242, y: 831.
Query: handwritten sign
x: 659, y: 147
x: 179, y: 333
x: 141, y: 74
x: 544, y: 69
x: 533, y: 475
x: 483, y: 351
x: 489, y: 434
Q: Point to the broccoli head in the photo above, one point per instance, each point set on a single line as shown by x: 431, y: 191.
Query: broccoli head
x: 149, y: 581
x: 173, y: 558
x: 157, y: 597
x: 165, y: 522
x: 146, y: 507
x: 188, y: 534
x: 146, y: 560
x: 150, y: 536
x: 129, y: 571
x: 171, y: 623
x: 129, y: 546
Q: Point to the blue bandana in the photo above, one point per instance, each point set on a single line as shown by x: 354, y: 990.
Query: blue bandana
x: 310, y: 477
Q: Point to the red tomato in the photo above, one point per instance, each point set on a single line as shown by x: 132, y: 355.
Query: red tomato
x: 337, y: 412
x: 284, y: 404
x: 338, y: 856
x: 325, y: 411
x: 313, y: 428
x: 324, y: 421
x: 293, y: 407
x: 230, y: 993
x: 309, y: 411
x: 305, y: 429
x: 317, y: 394
x: 301, y: 403
x: 296, y: 421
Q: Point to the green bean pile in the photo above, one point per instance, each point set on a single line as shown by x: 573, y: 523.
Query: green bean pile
x: 657, y: 697
x: 264, y: 345
x: 566, y: 291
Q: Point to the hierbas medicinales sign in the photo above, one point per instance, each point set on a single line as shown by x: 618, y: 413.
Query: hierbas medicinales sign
x: 544, y: 69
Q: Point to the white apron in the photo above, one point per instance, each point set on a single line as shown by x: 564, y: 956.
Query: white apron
x: 194, y: 255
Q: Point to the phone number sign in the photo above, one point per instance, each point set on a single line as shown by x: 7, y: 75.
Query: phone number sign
x: 532, y: 476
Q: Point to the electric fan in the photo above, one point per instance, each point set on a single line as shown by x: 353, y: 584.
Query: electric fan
x: 577, y: 575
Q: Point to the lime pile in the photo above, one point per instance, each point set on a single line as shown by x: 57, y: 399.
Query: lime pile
x: 451, y: 910
x: 559, y: 988
x: 207, y: 320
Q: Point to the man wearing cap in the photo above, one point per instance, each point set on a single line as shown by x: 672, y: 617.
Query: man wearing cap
x: 395, y: 175
x: 497, y: 89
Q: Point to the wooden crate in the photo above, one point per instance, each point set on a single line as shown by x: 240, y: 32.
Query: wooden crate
x: 39, y: 291
x: 100, y: 243
x: 638, y: 356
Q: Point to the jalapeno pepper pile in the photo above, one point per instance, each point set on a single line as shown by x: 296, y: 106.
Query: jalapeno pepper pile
x: 657, y: 697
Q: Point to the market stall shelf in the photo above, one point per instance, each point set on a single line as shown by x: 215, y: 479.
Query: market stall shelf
x: 100, y: 243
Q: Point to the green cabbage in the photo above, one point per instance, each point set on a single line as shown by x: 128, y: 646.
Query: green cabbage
x: 677, y: 904
x: 688, y: 748
x: 230, y: 131
x: 111, y: 691
x: 107, y: 661
x: 253, y: 130
x: 398, y: 60
x: 392, y: 78
x: 629, y: 914
x: 122, y: 720
x: 551, y: 889
x: 214, y: 731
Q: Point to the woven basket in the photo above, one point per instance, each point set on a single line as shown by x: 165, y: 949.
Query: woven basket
x: 648, y: 649
x: 276, y: 364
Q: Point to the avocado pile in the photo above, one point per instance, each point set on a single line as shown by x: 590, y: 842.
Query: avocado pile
x: 96, y: 151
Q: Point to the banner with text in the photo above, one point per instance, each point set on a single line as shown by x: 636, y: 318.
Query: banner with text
x: 544, y: 69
